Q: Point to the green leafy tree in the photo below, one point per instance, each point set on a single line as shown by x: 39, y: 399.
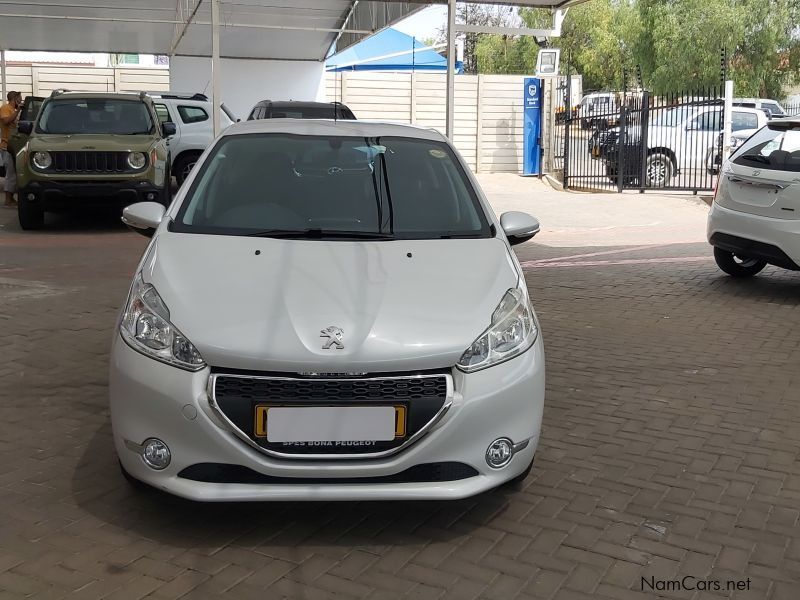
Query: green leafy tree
x: 680, y: 42
x: 676, y: 44
x: 478, y: 14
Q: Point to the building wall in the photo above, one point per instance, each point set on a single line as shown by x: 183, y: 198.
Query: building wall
x: 40, y: 80
x: 488, y: 110
x: 245, y: 82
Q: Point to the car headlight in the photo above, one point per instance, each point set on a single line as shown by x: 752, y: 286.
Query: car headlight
x: 734, y: 143
x: 146, y: 327
x: 42, y: 160
x: 137, y: 160
x: 512, y: 331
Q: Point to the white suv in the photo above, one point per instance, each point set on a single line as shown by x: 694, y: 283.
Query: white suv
x: 191, y: 114
x: 755, y: 217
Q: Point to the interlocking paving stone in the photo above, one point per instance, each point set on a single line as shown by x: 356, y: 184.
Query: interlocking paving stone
x: 669, y: 448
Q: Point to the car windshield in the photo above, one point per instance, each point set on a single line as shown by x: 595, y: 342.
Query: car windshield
x: 773, y: 107
x: 332, y: 187
x: 95, y: 115
x: 775, y: 148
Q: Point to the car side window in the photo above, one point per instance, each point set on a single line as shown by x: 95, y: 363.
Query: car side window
x: 192, y: 114
x: 743, y: 120
x: 709, y: 121
x: 163, y: 113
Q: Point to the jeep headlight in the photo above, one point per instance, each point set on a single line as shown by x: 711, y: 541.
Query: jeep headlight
x: 137, y: 160
x: 146, y: 327
x: 42, y: 160
x: 512, y: 331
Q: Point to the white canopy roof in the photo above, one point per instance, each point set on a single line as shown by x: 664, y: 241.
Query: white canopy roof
x: 275, y: 29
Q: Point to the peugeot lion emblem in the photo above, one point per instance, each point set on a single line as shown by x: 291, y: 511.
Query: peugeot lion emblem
x: 757, y: 172
x: 334, y: 335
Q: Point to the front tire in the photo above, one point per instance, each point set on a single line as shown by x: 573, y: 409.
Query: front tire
x: 31, y: 214
x: 132, y: 481
x: 517, y: 481
x: 736, y: 266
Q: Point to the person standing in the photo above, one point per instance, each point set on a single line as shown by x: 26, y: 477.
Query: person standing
x: 9, y: 113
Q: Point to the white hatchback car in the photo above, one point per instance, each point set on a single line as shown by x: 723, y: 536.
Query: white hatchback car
x: 755, y: 217
x: 327, y: 311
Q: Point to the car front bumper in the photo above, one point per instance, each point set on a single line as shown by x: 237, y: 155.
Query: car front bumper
x: 55, y: 195
x: 152, y: 399
x: 777, y: 241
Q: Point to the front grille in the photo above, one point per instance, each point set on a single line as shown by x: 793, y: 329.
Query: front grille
x: 422, y: 396
x: 330, y: 390
x: 426, y: 473
x: 89, y: 162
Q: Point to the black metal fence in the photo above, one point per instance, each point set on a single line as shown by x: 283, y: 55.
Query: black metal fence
x: 634, y: 140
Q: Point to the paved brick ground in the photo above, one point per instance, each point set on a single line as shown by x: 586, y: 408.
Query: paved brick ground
x: 670, y: 440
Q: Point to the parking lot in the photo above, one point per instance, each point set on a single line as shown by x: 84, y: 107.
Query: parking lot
x: 669, y: 444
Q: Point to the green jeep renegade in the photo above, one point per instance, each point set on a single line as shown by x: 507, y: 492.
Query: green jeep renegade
x: 92, y: 150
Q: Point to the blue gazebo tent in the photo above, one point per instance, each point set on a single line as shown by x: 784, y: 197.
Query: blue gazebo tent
x: 389, y: 50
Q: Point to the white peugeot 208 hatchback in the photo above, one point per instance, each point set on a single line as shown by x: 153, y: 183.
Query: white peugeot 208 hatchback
x: 327, y: 311
x: 755, y: 217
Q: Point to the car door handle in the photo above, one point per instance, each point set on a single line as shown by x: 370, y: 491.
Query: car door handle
x: 762, y: 184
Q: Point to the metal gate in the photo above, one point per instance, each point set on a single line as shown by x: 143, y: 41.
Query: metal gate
x: 636, y: 141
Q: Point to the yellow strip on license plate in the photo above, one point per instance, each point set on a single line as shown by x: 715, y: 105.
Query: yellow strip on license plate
x: 262, y: 410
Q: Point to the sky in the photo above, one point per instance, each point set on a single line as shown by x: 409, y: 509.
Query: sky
x: 425, y: 23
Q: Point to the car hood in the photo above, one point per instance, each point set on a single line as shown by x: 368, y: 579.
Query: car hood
x: 402, y: 305
x: 100, y: 142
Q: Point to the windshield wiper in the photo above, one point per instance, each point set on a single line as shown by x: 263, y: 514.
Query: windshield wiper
x: 317, y: 234
x: 461, y: 236
x: 757, y: 158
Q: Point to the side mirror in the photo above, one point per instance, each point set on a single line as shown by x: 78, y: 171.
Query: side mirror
x: 143, y: 217
x: 518, y: 226
x: 25, y: 127
x: 168, y: 128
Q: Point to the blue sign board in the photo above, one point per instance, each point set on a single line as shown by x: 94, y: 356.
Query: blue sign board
x: 532, y: 127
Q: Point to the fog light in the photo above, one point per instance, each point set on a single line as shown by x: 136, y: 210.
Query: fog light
x: 156, y: 454
x: 31, y: 197
x: 499, y: 453
x: 151, y: 196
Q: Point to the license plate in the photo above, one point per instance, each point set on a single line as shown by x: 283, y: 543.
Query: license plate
x: 330, y: 423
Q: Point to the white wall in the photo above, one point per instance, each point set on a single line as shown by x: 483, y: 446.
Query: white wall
x: 488, y: 110
x: 245, y: 82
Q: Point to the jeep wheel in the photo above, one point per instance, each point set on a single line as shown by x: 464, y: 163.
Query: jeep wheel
x: 659, y: 170
x: 737, y: 266
x: 183, y: 166
x: 31, y: 214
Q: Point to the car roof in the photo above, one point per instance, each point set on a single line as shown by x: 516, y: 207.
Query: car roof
x: 103, y: 95
x: 793, y: 120
x: 747, y: 109
x: 343, y: 127
x: 297, y: 103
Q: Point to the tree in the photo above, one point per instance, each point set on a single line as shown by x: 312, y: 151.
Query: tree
x: 677, y: 44
x: 478, y: 14
x: 680, y: 42
x: 595, y: 41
